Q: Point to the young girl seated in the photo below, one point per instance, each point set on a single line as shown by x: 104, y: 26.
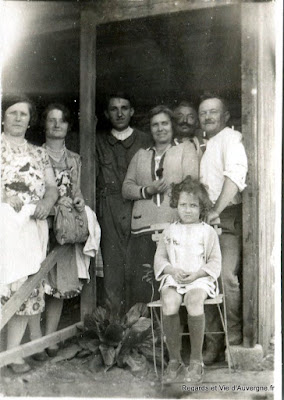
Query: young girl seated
x: 187, y: 264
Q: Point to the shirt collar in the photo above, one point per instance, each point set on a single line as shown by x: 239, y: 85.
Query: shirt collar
x: 122, y: 135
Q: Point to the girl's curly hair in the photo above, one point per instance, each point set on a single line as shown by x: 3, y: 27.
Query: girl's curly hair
x: 190, y: 185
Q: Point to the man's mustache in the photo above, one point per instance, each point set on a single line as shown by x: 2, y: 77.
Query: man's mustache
x: 184, y: 124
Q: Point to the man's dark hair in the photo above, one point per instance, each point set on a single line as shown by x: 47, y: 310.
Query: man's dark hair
x: 117, y: 95
x: 185, y: 103
x: 10, y: 100
x: 214, y: 95
x: 60, y: 107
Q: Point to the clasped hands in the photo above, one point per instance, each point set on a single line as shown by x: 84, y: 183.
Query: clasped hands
x: 182, y: 277
x: 158, y: 186
x: 43, y: 207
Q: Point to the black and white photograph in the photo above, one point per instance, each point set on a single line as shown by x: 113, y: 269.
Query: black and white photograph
x: 141, y: 180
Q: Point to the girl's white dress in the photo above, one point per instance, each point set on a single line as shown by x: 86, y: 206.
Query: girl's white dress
x: 190, y: 247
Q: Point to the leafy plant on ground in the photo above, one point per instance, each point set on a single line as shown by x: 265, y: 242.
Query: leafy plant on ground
x: 127, y: 342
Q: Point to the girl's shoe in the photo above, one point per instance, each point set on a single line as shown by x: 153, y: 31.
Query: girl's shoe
x: 173, y: 369
x: 194, y: 373
x: 19, y: 368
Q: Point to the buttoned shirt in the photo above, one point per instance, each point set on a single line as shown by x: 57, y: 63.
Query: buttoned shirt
x: 224, y: 156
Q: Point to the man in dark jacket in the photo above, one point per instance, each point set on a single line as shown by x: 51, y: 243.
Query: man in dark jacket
x: 114, y: 151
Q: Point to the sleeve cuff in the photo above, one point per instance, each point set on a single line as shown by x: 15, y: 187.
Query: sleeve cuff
x: 144, y: 194
x: 238, y: 180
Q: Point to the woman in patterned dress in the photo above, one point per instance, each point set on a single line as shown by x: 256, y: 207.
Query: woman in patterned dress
x: 64, y: 281
x: 28, y: 192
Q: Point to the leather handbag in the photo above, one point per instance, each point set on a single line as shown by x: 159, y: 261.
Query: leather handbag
x: 70, y: 225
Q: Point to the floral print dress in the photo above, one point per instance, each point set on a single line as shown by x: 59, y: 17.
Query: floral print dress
x: 22, y: 174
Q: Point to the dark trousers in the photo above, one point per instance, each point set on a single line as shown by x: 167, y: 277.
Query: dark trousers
x: 115, y: 221
x: 141, y: 250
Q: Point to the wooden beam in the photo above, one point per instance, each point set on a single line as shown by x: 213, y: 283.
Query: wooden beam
x: 87, y: 135
x: 112, y: 10
x: 249, y: 26
x: 87, y: 105
x: 15, y: 302
x: 35, y: 346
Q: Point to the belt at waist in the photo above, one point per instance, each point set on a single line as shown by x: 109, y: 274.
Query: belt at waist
x: 108, y: 191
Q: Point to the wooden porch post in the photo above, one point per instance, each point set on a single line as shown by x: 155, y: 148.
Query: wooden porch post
x: 87, y: 132
x: 258, y: 95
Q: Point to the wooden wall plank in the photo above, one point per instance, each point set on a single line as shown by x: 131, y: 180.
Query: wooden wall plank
x: 267, y: 146
x: 251, y: 194
x: 258, y: 114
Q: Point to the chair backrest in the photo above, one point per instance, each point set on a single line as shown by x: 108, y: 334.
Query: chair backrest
x: 158, y: 229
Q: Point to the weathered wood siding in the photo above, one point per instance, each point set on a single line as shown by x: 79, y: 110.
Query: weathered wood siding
x: 258, y: 114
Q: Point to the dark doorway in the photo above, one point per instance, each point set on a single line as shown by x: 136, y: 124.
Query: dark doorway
x: 169, y: 58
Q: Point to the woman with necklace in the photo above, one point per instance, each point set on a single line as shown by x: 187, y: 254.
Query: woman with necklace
x: 28, y: 192
x: 147, y: 183
x: 66, y: 280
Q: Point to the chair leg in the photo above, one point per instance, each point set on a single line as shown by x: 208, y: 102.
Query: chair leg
x: 153, y: 339
x: 224, y: 325
x: 162, y: 345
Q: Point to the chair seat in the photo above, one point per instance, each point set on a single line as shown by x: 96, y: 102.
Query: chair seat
x: 217, y: 300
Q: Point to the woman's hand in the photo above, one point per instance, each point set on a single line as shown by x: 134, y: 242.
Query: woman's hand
x: 42, y: 210
x: 65, y: 201
x: 158, y: 186
x: 15, y: 202
x: 79, y: 204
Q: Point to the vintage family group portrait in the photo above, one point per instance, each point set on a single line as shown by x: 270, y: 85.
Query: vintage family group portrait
x: 140, y: 218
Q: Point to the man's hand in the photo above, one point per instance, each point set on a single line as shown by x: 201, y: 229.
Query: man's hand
x: 42, y: 209
x: 211, y: 217
x: 65, y: 201
x: 15, y: 202
x: 79, y: 204
x: 158, y: 186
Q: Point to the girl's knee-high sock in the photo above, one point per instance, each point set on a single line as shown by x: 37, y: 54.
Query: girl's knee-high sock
x: 196, y: 327
x: 172, y: 332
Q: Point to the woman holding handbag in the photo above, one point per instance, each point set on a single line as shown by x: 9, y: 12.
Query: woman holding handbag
x: 80, y: 223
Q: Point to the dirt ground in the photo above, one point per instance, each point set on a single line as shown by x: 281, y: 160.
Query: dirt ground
x: 75, y: 378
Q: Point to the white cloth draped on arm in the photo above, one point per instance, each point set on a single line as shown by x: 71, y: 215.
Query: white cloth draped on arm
x: 91, y: 247
x: 23, y: 243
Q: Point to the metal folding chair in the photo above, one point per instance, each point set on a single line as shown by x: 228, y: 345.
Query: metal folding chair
x: 219, y: 301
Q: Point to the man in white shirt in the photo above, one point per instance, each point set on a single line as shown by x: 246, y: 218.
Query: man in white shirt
x: 223, y: 170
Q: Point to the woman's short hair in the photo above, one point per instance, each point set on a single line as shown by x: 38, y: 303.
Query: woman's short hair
x: 161, y: 109
x: 10, y: 100
x: 57, y: 106
x: 190, y: 185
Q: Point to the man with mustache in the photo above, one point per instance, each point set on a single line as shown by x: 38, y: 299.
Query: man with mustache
x: 114, y: 151
x: 223, y: 169
x: 186, y: 125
